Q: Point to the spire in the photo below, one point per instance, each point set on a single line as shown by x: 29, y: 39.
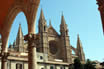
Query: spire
x: 63, y: 20
x: 19, y: 40
x: 41, y: 14
x: 50, y: 23
x: 63, y: 23
x: 20, y: 34
x: 42, y: 23
x: 80, y: 52
x: 63, y: 26
x: 78, y: 42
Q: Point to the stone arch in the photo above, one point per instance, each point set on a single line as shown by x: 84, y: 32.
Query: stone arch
x: 74, y: 49
x: 18, y: 24
x: 29, y: 7
x: 30, y: 10
x: 8, y: 24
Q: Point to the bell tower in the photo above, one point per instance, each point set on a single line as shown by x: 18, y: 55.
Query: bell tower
x: 42, y: 23
x: 65, y: 41
x: 43, y: 47
x: 63, y: 27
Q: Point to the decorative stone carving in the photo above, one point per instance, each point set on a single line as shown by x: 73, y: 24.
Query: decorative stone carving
x: 4, y: 56
x: 32, y: 39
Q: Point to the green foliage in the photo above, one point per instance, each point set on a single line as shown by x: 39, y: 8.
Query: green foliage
x: 89, y: 65
x: 77, y: 64
x: 102, y: 64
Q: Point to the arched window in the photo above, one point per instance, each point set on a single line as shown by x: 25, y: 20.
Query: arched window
x: 44, y: 28
x: 62, y: 67
x: 66, y: 32
x: 19, y: 66
x: 52, y: 67
x: 41, y: 57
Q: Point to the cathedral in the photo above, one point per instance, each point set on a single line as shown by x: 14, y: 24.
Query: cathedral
x: 53, y: 50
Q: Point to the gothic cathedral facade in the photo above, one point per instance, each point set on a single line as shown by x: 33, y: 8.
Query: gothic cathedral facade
x: 54, y: 50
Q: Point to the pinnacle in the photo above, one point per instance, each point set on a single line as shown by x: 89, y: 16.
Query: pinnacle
x: 62, y: 19
x: 78, y: 41
x: 41, y: 14
x: 50, y: 23
x: 19, y: 28
x: 20, y: 34
x: 78, y: 37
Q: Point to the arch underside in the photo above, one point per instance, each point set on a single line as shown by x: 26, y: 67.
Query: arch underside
x: 8, y: 24
x: 26, y: 8
x: 30, y: 11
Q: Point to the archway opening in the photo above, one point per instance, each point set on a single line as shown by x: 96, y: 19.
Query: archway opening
x: 19, y: 28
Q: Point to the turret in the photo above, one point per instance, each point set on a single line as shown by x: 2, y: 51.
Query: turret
x: 80, y: 52
x: 42, y: 23
x: 43, y: 47
x: 63, y: 27
x: 19, y: 40
x: 66, y: 54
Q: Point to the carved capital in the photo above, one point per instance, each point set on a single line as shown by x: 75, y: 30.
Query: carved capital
x: 4, y: 56
x: 32, y: 40
x: 30, y: 37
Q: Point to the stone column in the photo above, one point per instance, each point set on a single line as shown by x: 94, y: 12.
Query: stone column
x: 4, y: 60
x: 4, y: 52
x: 32, y: 58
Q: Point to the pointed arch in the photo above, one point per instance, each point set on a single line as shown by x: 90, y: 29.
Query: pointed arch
x: 19, y: 19
x: 29, y: 8
x: 18, y: 30
x: 8, y: 24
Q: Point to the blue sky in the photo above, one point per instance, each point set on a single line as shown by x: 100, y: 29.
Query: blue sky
x: 82, y: 17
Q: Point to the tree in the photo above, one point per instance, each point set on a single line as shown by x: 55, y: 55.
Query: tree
x: 89, y: 65
x: 77, y: 64
x: 102, y: 64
